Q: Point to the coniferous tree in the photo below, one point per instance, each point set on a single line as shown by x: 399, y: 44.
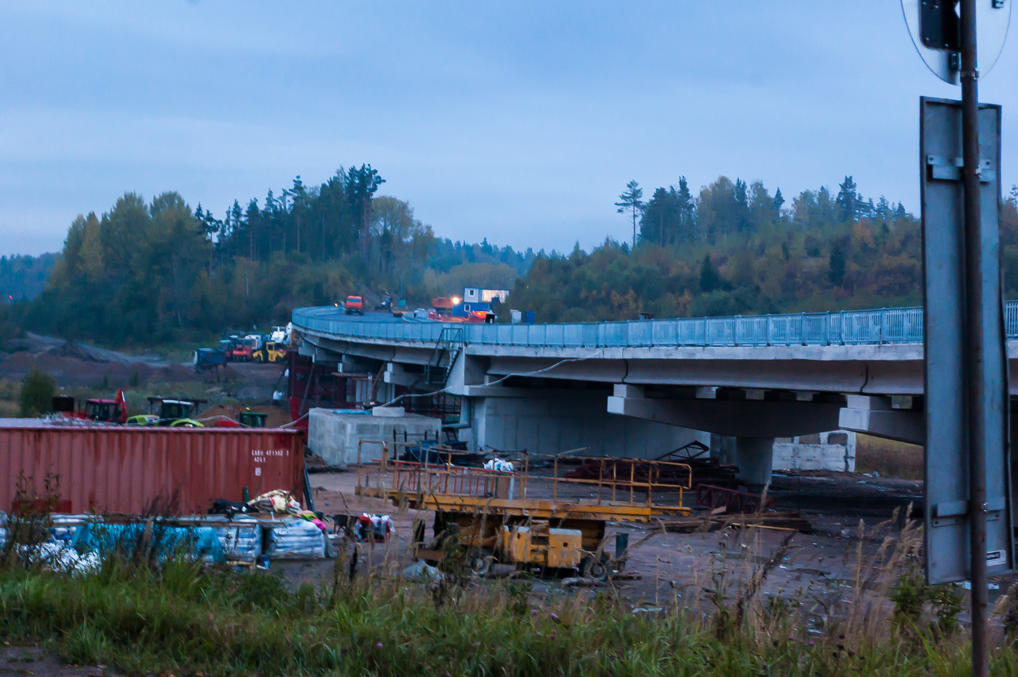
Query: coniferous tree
x: 848, y: 200
x: 687, y: 231
x: 632, y: 199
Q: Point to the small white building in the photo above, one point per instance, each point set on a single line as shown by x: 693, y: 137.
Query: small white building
x: 477, y: 295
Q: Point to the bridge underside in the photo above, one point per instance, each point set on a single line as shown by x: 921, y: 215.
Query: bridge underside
x: 644, y: 403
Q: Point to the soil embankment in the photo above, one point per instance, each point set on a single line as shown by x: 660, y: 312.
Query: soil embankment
x: 75, y: 364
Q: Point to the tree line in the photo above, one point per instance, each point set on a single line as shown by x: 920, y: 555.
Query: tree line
x: 736, y: 248
x: 23, y: 277
x: 160, y: 271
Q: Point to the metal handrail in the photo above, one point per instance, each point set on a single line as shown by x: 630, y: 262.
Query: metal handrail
x: 446, y: 479
x: 847, y: 327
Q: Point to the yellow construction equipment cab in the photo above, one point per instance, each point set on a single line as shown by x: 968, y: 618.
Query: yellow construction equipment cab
x: 269, y: 352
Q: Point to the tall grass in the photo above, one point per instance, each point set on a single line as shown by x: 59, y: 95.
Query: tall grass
x: 889, y: 458
x: 180, y: 617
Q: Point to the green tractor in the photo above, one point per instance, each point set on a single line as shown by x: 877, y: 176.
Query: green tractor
x: 175, y: 413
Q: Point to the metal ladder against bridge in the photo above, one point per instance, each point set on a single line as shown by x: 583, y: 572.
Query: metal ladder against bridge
x: 449, y: 343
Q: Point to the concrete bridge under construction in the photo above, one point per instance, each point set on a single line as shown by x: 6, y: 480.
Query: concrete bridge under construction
x: 642, y: 387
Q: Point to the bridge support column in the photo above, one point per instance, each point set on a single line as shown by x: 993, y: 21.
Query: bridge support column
x: 755, y: 457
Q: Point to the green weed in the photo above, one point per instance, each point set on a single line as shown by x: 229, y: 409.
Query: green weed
x: 148, y: 616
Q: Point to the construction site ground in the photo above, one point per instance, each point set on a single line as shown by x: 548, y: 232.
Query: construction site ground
x: 85, y: 370
x: 851, y: 516
x: 660, y: 565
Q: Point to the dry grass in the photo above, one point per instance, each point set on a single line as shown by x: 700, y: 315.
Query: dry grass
x: 889, y: 458
x: 184, y: 619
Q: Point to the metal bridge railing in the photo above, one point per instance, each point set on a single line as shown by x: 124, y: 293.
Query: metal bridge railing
x: 847, y: 327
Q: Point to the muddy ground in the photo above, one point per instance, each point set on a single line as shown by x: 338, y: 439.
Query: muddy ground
x: 16, y: 660
x: 81, y: 366
x: 852, y: 517
x: 855, y: 519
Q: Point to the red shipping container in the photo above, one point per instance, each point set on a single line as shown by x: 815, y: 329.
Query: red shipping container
x: 141, y: 470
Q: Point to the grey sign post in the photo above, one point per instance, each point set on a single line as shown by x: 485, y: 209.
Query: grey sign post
x: 967, y: 472
x: 948, y: 509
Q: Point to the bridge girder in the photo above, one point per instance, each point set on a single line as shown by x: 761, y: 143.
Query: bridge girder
x: 734, y: 417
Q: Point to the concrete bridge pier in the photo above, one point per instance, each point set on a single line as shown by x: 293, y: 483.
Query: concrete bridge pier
x: 755, y: 458
x: 753, y: 455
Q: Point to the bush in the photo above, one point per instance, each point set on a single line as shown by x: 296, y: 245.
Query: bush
x: 37, y: 391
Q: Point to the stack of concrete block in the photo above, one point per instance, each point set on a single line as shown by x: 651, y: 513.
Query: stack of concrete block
x: 336, y: 435
x: 822, y: 451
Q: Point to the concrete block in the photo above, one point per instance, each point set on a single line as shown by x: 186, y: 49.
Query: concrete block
x: 827, y: 451
x: 336, y: 437
x: 837, y: 438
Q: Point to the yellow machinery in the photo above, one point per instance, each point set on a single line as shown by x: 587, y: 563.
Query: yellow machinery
x: 524, y: 518
x: 269, y: 352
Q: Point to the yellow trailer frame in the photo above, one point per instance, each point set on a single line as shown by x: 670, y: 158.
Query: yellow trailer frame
x: 493, y: 515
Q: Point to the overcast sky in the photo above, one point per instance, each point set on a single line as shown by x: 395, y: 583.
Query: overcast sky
x: 518, y: 121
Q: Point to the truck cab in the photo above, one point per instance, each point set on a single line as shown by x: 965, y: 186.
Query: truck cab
x: 108, y: 411
x: 244, y: 348
x: 354, y: 304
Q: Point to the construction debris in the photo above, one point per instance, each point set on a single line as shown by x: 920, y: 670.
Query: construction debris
x: 732, y: 500
x: 704, y: 470
x: 791, y: 521
x: 210, y: 538
x: 421, y: 570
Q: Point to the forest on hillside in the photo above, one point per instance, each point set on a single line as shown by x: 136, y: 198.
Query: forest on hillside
x: 738, y: 249
x: 23, y: 277
x: 157, y: 271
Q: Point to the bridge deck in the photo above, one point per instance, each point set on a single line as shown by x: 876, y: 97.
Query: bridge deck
x: 849, y: 327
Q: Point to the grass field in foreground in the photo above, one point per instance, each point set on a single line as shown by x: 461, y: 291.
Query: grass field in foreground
x: 183, y: 619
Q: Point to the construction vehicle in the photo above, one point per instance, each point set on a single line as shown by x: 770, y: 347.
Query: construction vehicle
x: 176, y: 413
x: 354, y: 304
x: 270, y: 351
x: 206, y: 359
x: 454, y: 310
x: 241, y: 351
x: 96, y: 409
x: 244, y: 347
x: 550, y: 522
x: 281, y: 334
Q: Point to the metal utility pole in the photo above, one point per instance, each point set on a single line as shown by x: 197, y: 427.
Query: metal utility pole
x: 975, y: 367
x: 968, y: 508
